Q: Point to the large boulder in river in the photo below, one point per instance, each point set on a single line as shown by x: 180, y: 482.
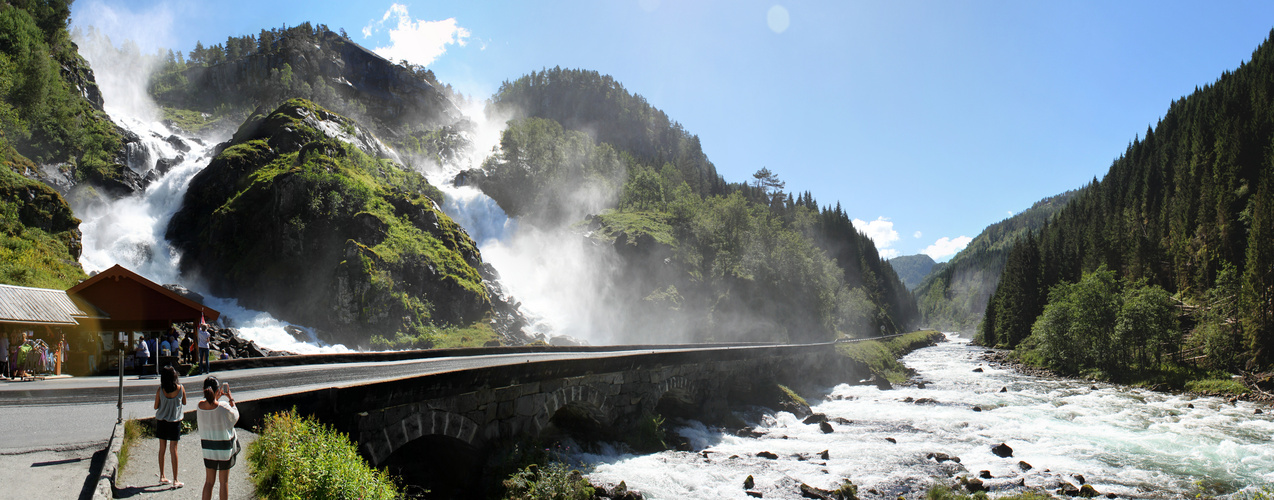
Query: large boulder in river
x: 307, y: 216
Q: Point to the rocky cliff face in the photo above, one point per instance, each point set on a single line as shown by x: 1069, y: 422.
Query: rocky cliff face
x: 306, y: 215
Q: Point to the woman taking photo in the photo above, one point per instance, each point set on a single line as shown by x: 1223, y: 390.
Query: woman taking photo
x: 170, y: 398
x: 216, y: 431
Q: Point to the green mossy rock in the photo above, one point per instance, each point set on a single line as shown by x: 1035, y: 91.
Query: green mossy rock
x: 306, y: 215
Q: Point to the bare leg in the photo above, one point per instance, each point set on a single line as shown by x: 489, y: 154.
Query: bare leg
x: 225, y: 489
x: 210, y: 477
x: 163, y: 445
x: 172, y: 450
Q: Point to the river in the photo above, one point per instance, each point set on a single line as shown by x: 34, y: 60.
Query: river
x: 1131, y: 442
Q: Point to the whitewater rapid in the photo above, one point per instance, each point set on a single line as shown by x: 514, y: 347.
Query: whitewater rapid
x: 1131, y: 442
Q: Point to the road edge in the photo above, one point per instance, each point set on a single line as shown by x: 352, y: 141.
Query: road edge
x: 106, y: 479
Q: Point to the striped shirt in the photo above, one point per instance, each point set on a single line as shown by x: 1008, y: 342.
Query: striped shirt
x: 216, y: 431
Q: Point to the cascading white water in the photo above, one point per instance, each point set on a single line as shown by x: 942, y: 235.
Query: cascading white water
x: 1131, y: 442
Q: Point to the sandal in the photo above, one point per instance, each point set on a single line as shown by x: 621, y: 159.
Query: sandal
x: 164, y: 481
x: 178, y: 484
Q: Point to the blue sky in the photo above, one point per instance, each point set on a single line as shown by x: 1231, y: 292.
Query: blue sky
x: 927, y: 121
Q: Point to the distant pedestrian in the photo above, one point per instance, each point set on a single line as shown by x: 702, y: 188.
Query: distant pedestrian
x: 170, y: 399
x: 4, y: 355
x: 185, y: 348
x: 204, y: 339
x: 216, y: 432
x: 142, y: 355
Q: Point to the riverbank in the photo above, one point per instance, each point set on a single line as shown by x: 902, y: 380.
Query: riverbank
x: 1005, y: 359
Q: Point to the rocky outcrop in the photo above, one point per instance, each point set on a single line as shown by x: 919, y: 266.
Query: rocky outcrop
x: 306, y: 215
x: 393, y: 97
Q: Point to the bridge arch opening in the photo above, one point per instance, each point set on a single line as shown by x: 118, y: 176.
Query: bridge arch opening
x: 678, y: 403
x: 446, y: 466
x: 578, y: 419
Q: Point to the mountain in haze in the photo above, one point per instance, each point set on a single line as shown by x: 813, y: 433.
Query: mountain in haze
x: 1188, y: 209
x: 912, y: 268
x: 954, y: 296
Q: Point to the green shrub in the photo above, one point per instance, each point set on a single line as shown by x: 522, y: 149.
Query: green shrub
x: 299, y: 458
x: 555, y: 481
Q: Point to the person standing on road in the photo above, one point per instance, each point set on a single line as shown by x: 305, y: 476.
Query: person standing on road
x: 4, y: 355
x: 170, y: 398
x: 204, y: 338
x: 216, y: 433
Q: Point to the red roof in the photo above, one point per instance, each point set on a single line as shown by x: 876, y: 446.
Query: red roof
x: 132, y: 301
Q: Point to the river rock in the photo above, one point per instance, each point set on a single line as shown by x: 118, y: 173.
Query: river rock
x: 825, y: 427
x: 977, y: 370
x: 816, y: 418
x: 825, y: 455
x: 943, y: 457
x: 1088, y: 491
x: 926, y: 401
x: 985, y: 474
x: 974, y: 485
x: 892, y: 440
x: 1004, y: 389
x: 767, y: 455
x: 882, y: 383
x: 1079, y: 478
x: 1002, y: 450
x: 749, y: 483
x: 755, y: 494
x: 920, y: 385
x: 1068, y: 489
x: 1021, y: 464
x: 1258, y: 412
x: 1190, y: 405
x: 749, y: 432
x: 977, y: 408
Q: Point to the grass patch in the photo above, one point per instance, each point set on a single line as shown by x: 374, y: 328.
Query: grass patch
x: 555, y: 481
x: 881, y: 356
x: 636, y: 223
x: 133, y: 430
x: 792, y: 394
x: 298, y: 457
x: 1217, y: 386
x: 432, y: 337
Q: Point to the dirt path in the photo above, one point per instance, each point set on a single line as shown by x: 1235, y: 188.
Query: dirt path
x: 140, y: 477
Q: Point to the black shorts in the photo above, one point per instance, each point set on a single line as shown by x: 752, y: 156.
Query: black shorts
x: 220, y: 464
x: 168, y: 431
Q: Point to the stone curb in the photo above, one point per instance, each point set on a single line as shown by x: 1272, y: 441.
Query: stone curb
x: 106, y: 481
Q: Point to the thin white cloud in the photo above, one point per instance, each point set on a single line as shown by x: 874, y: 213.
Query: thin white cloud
x: 881, y: 231
x: 917, y: 235
x: 414, y: 41
x: 889, y: 253
x: 946, y: 247
x: 1010, y: 213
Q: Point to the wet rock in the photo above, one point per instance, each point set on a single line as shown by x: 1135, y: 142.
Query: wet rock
x: 754, y: 494
x: 977, y: 370
x: 767, y: 455
x: 749, y: 433
x: 908, y: 399
x: 1111, y: 495
x: 925, y: 401
x: 883, y: 384
x: 1068, y: 489
x: 1088, y: 491
x: 986, y: 474
x: 816, y: 418
x: 749, y: 483
x: 1002, y: 450
x: 1258, y: 412
x: 943, y: 457
x: 1021, y: 464
x: 973, y: 484
x: 824, y: 455
x: 1190, y: 405
x: 1079, y: 478
x: 977, y: 408
x: 842, y: 421
x: 1004, y: 389
x: 825, y: 427
x: 1093, y: 387
x: 892, y: 440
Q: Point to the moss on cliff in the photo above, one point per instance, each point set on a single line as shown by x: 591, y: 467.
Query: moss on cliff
x: 293, y: 218
x: 39, y: 238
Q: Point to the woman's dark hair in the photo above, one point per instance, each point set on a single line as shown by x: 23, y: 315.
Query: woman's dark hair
x: 168, y: 379
x: 210, y: 386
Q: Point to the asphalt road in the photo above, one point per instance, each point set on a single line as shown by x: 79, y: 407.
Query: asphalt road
x: 76, y: 412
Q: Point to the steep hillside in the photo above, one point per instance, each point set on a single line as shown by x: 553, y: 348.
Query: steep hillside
x: 1189, y: 207
x: 954, y: 296
x: 912, y: 269
x: 311, y: 62
x: 716, y: 260
x: 53, y: 133
x: 303, y: 214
